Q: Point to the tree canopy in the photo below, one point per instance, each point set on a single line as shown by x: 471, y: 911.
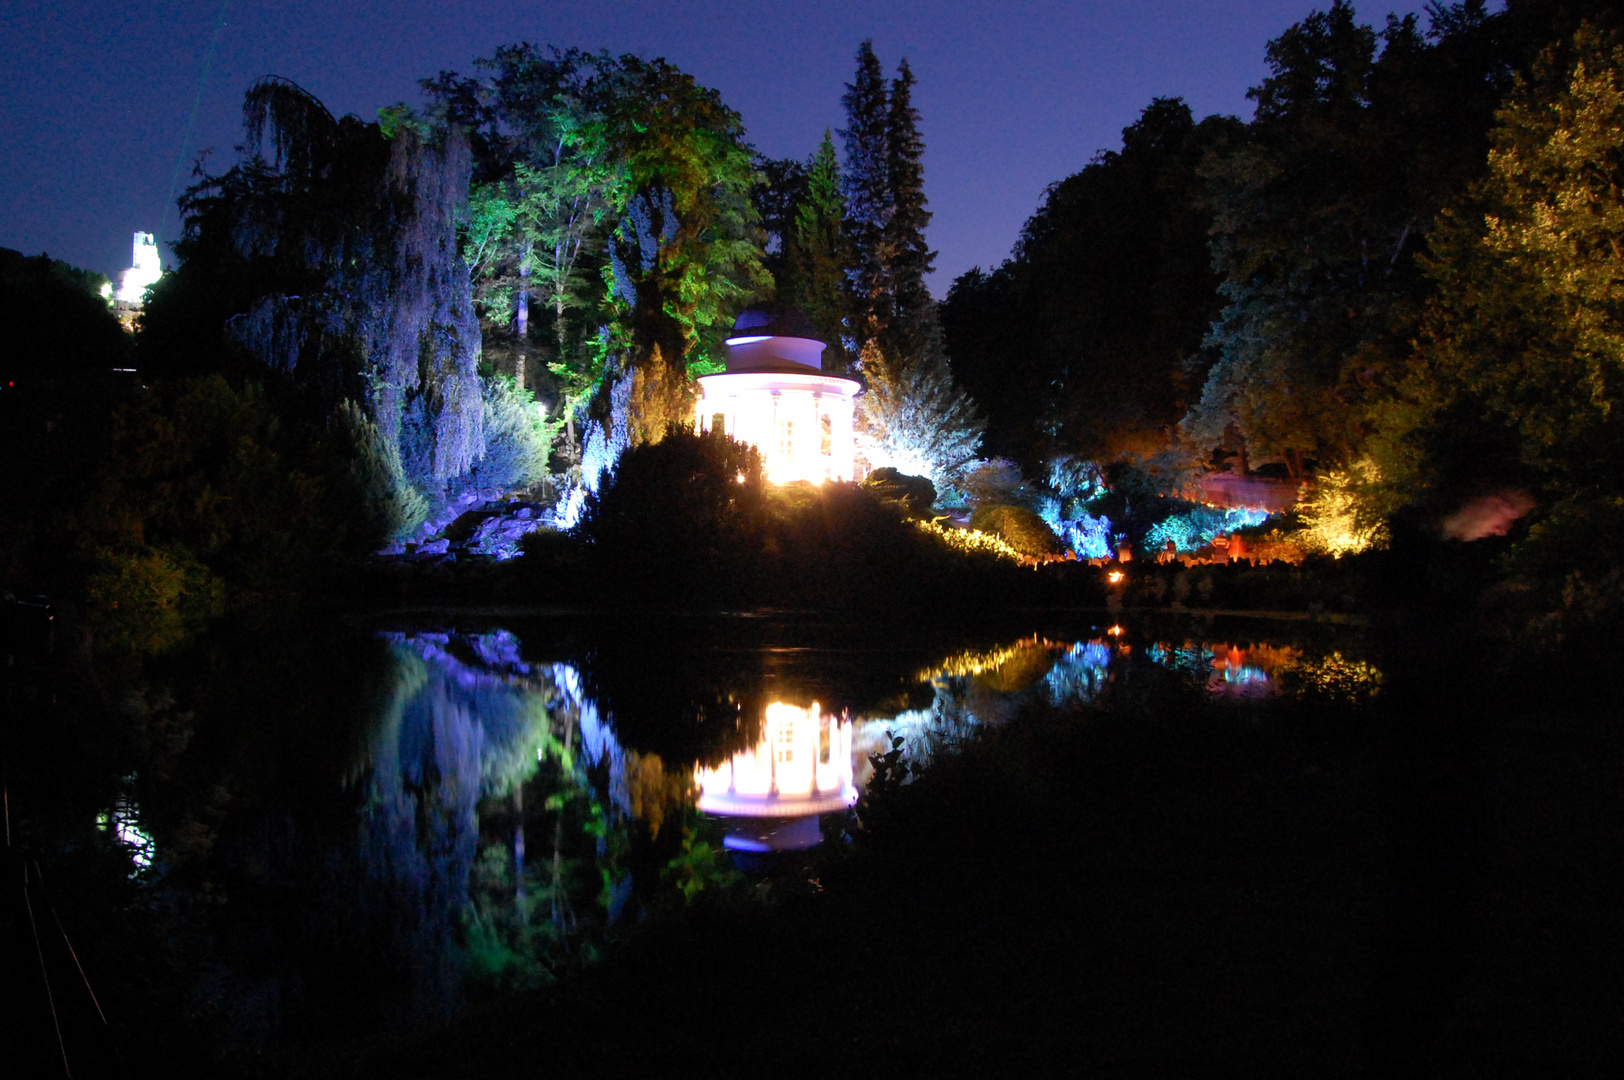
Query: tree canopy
x: 1079, y: 342
x: 620, y: 190
x: 1524, y: 329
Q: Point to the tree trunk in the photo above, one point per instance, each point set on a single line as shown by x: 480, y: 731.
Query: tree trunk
x: 521, y: 315
x: 518, y: 851
x: 1294, y: 464
x: 560, y: 902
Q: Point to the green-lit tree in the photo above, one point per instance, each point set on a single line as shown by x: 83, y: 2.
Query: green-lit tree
x: 687, y: 253
x: 540, y: 211
x: 816, y: 255
x: 632, y: 186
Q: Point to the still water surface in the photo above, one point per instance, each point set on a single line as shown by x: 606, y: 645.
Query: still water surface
x: 491, y: 800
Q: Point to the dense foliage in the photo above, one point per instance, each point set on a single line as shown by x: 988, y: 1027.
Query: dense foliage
x: 914, y: 416
x: 619, y: 190
x: 1525, y: 319
x: 144, y: 512
x: 691, y: 518
x: 1107, y: 296
x: 58, y: 385
x: 1395, y: 286
x: 59, y: 326
x: 1020, y: 528
x: 1396, y: 283
x: 327, y: 261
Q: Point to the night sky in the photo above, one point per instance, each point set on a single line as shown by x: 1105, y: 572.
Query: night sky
x: 96, y: 98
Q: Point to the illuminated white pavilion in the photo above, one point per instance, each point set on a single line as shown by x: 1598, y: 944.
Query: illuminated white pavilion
x: 799, y: 768
x: 776, y: 396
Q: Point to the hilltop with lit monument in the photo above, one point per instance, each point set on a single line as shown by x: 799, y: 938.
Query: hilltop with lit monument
x: 144, y: 271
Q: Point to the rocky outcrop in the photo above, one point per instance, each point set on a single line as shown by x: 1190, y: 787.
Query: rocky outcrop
x: 492, y: 529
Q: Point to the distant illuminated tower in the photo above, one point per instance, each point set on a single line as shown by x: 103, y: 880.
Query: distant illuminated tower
x: 776, y: 396
x: 799, y: 768
x: 147, y: 268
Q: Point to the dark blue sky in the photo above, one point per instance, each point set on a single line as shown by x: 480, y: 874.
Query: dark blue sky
x: 95, y: 98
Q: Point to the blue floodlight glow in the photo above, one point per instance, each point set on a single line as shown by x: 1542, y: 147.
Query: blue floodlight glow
x: 1079, y: 675
x: 746, y: 340
x: 1192, y: 530
x: 1089, y: 536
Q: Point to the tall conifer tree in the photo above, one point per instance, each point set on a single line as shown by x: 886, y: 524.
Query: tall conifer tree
x: 815, y: 254
x: 913, y: 417
x: 867, y: 185
x: 908, y: 259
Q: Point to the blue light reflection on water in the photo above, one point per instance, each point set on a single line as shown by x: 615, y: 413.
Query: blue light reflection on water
x: 1079, y: 675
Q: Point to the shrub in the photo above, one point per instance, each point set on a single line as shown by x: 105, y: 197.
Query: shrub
x: 1197, y: 527
x: 970, y: 541
x: 517, y: 437
x: 392, y: 505
x: 205, y: 483
x: 1343, y: 515
x: 686, y: 509
x: 915, y: 493
x: 1020, y: 528
x: 150, y: 599
x: 1579, y: 534
x: 997, y: 482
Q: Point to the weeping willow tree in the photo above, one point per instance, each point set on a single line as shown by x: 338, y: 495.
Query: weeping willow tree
x: 328, y: 256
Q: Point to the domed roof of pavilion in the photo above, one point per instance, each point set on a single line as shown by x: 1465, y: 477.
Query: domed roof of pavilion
x: 774, y: 320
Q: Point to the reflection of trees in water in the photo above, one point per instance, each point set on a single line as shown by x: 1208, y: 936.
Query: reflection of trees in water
x: 493, y: 813
x: 476, y: 757
x: 1263, y: 669
x: 685, y: 704
x: 504, y: 811
x: 989, y: 686
x: 1079, y: 675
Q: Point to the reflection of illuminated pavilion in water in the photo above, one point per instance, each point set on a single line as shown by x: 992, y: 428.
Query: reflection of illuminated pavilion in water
x: 799, y: 768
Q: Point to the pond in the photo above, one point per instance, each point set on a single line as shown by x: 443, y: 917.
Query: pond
x: 364, y: 829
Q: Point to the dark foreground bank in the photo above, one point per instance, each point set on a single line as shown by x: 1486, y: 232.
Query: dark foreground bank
x: 1164, y: 886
